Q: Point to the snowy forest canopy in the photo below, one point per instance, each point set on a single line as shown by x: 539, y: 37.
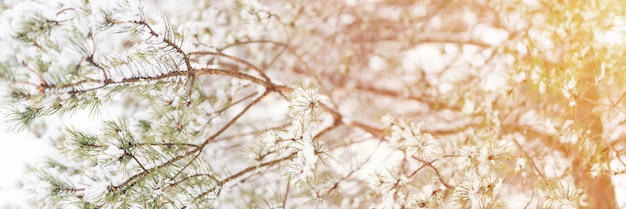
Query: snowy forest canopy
x: 320, y: 104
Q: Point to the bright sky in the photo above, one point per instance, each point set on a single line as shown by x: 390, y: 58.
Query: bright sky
x: 16, y: 150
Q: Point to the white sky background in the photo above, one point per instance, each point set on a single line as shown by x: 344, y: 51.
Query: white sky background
x: 15, y: 151
x: 18, y: 149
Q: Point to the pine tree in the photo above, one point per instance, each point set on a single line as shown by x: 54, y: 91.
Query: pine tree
x: 319, y: 104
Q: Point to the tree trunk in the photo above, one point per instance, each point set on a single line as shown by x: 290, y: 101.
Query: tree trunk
x: 600, y: 190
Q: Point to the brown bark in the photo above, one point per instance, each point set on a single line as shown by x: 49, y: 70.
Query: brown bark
x: 600, y: 190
